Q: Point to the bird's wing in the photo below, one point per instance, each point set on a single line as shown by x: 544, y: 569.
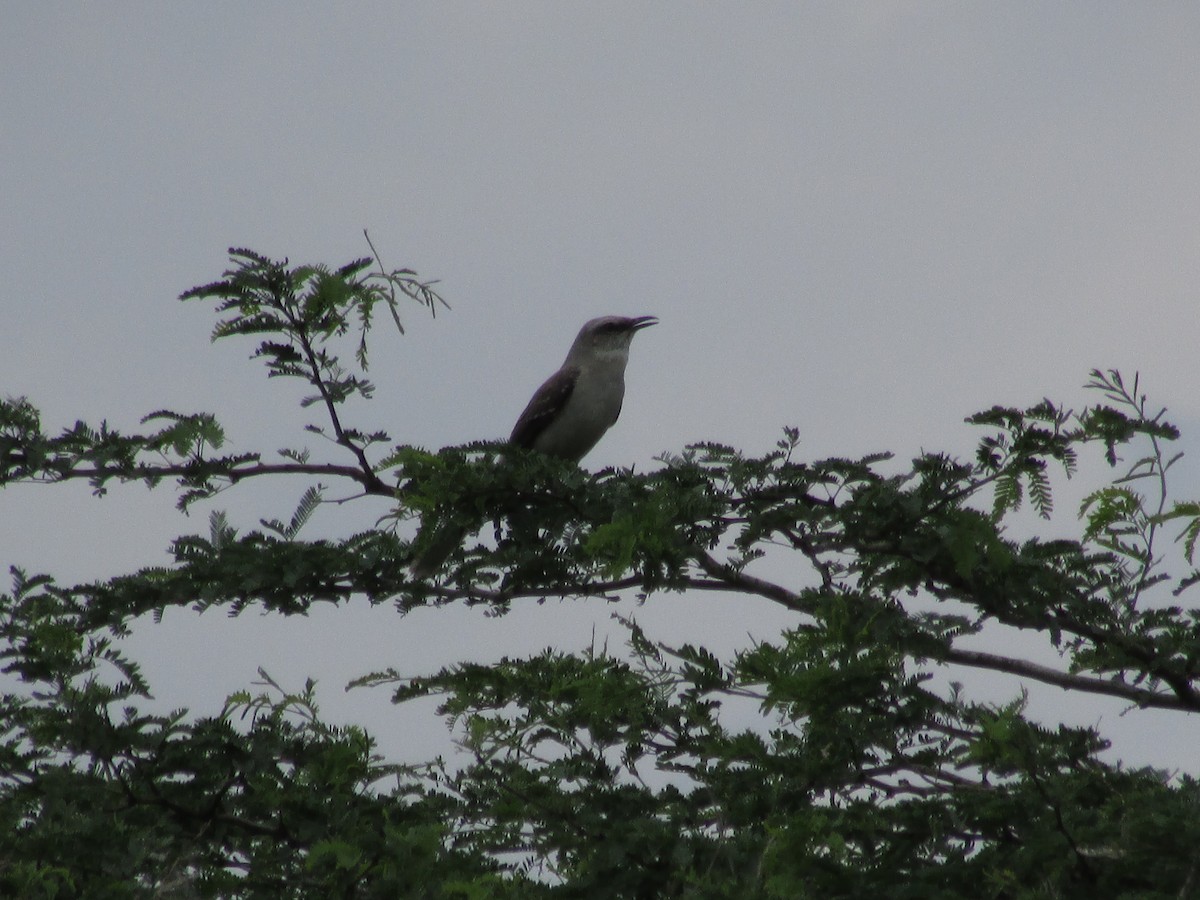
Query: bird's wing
x: 544, y: 406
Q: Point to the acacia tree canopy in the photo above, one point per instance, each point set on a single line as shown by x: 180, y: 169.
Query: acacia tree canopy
x: 604, y: 774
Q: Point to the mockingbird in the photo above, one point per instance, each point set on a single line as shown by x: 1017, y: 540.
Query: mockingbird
x: 578, y: 403
x: 569, y: 413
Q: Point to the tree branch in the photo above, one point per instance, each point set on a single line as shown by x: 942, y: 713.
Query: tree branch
x: 368, y: 478
x: 1139, y: 696
x: 729, y: 577
x: 371, y: 483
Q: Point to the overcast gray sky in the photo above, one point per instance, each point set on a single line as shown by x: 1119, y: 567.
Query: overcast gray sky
x: 866, y: 220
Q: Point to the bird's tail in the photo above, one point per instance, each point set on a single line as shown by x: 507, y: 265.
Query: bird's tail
x: 432, y: 552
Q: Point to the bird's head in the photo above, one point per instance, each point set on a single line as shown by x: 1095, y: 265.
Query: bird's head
x: 608, y: 335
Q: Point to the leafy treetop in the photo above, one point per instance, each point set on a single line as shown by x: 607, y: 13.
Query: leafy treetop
x: 596, y: 773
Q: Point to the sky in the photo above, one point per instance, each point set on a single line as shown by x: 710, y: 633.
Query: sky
x: 865, y: 220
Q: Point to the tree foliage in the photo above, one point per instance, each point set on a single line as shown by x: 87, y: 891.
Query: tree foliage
x: 604, y: 773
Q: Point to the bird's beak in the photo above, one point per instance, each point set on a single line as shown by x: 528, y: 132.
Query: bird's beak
x: 642, y: 322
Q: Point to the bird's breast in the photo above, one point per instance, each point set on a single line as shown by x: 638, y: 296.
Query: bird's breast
x: 592, y: 408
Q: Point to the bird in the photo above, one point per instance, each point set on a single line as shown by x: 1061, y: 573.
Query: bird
x: 569, y: 413
x: 576, y: 405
